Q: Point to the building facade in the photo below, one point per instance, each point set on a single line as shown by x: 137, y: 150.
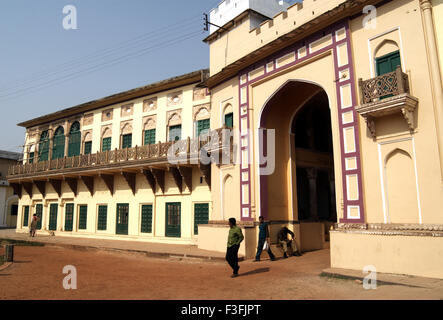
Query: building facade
x: 101, y: 169
x: 8, y: 198
x: 336, y: 110
x: 348, y: 95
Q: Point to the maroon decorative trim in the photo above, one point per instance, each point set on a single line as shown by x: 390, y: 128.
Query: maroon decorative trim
x: 332, y: 30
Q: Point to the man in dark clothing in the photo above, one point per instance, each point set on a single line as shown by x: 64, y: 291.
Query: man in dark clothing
x: 263, y: 236
x: 235, y: 237
x: 282, y: 238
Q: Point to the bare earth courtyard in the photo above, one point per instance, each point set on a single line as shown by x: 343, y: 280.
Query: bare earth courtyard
x: 37, y: 274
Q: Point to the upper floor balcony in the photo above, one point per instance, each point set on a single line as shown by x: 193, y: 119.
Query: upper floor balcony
x: 178, y: 157
x: 385, y: 95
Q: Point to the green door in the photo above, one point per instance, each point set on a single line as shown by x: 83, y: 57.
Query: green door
x: 229, y: 120
x: 31, y: 157
x: 88, y: 147
x: 201, y: 215
x: 127, y: 141
x: 388, y: 63
x: 202, y: 127
x: 102, y: 218
x: 149, y: 137
x: 175, y: 133
x: 173, y: 219
x: 58, y: 148
x: 43, y: 148
x: 122, y: 218
x: 69, y: 216
x: 146, y: 225
x: 83, y: 217
x: 39, y: 213
x: 74, y: 140
x: 26, y: 216
x: 53, y: 210
x: 106, y: 144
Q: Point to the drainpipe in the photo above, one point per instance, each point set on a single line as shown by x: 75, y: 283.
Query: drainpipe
x: 434, y: 71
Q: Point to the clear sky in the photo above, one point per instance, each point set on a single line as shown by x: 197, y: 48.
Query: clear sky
x: 119, y: 45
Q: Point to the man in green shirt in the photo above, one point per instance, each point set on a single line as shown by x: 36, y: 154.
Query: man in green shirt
x: 235, y: 237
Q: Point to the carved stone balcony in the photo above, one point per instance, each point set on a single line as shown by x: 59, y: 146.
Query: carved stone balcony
x: 385, y: 95
x: 152, y: 160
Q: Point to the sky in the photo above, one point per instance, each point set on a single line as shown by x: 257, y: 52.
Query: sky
x: 118, y: 45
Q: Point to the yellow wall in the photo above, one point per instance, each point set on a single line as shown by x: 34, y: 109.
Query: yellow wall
x: 144, y: 195
x: 413, y: 255
x: 438, y: 23
x: 164, y: 109
x: 420, y: 195
x: 241, y: 40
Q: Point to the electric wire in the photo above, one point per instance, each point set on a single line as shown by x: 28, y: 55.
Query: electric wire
x: 98, y: 67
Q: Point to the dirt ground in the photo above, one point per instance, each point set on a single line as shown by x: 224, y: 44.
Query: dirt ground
x: 38, y: 274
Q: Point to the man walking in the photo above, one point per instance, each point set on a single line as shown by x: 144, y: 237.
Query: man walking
x: 235, y: 237
x: 263, y: 236
x: 33, y: 226
x: 284, y: 241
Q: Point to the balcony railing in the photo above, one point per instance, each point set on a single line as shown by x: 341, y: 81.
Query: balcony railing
x: 214, y: 141
x: 390, y: 84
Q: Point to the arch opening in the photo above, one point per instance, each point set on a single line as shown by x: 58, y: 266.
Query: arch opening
x: 301, y: 190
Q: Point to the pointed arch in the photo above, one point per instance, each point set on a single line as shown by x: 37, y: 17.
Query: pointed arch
x: 43, y: 146
x: 58, y: 143
x: 74, y: 140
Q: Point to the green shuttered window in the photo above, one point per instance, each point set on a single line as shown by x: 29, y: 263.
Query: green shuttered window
x: 88, y: 147
x: 127, y: 141
x: 25, y: 216
x: 173, y: 219
x: 201, y: 215
x: 175, y: 133
x: 58, y: 148
x: 43, y: 147
x: 229, y: 120
x: 102, y: 218
x: 146, y: 226
x: 122, y: 218
x: 31, y: 157
x: 82, y: 217
x: 149, y: 137
x: 106, y: 144
x: 74, y: 140
x: 202, y: 127
x: 53, y: 210
x: 39, y: 213
x: 388, y: 63
x: 69, y: 216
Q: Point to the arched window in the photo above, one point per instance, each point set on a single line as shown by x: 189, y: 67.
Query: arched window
x: 58, y: 148
x: 387, y: 57
x: 228, y: 116
x: 43, y: 147
x: 74, y: 140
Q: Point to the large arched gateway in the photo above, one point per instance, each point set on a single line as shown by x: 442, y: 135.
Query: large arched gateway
x: 299, y: 112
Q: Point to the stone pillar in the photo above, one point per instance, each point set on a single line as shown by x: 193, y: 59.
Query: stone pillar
x: 312, y: 176
x: 51, y: 143
x: 434, y: 71
x: 66, y: 144
x: 60, y: 216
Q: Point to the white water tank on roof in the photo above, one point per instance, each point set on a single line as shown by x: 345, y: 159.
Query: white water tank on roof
x: 228, y: 10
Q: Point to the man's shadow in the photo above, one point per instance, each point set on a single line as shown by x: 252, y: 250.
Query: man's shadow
x: 256, y: 271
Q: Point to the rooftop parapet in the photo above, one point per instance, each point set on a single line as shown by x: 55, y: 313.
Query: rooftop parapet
x: 228, y: 10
